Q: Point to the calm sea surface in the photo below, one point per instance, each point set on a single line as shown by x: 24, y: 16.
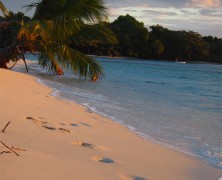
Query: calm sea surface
x: 174, y: 104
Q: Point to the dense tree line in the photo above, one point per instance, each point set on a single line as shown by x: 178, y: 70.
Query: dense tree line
x: 135, y: 40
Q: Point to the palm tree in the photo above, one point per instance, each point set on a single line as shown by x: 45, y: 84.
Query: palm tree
x: 55, y: 29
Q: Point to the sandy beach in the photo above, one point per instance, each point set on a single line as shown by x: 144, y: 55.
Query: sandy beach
x: 58, y: 139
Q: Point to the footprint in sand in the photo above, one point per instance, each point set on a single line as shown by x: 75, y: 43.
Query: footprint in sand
x: 91, y: 146
x: 132, y: 177
x: 105, y: 160
x: 30, y: 118
x: 49, y: 127
x: 45, y: 124
x: 84, y: 144
x: 36, y: 121
x: 64, y: 130
x: 71, y: 124
x: 85, y: 124
x: 138, y: 178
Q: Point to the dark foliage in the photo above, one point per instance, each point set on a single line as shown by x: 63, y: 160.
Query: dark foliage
x: 135, y: 40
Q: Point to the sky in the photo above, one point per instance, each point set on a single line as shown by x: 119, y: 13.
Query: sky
x: 202, y: 16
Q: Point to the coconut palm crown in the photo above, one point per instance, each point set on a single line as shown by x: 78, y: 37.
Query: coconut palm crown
x: 55, y: 29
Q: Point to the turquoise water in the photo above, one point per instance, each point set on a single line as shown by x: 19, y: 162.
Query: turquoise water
x: 177, y: 105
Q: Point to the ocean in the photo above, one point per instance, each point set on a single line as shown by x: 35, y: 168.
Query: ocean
x: 178, y: 105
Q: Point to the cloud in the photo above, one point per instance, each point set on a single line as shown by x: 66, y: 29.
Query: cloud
x: 200, y: 15
x: 211, y: 12
x: 147, y: 3
x: 157, y: 12
x: 205, y: 4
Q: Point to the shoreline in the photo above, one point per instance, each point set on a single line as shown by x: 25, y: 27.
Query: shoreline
x: 153, y: 59
x: 129, y: 128
x: 97, y: 141
x: 137, y: 133
x: 91, y: 107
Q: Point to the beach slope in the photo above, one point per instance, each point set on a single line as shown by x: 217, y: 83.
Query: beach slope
x: 58, y: 139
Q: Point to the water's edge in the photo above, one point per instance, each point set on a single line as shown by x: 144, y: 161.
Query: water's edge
x: 55, y: 93
x: 174, y: 105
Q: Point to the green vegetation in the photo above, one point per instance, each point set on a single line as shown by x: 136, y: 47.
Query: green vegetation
x: 135, y: 40
x: 56, y: 28
x: 63, y: 31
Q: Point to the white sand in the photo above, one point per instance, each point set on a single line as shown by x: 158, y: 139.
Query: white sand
x: 89, y: 147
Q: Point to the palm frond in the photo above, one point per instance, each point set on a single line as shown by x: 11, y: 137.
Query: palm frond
x: 38, y: 28
x: 85, y: 10
x: 65, y: 26
x: 93, y: 33
x: 69, y: 15
x: 4, y: 9
x: 54, y: 55
x: 58, y: 25
x: 30, y: 6
x: 48, y: 61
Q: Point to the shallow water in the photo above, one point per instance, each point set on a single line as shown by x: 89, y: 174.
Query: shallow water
x: 178, y: 105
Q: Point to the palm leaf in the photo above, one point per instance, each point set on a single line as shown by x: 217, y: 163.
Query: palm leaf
x: 30, y: 6
x: 59, y: 25
x: 4, y: 9
x: 93, y: 33
x: 65, y: 26
x: 54, y: 55
x: 69, y: 15
x: 85, y: 10
x: 37, y: 28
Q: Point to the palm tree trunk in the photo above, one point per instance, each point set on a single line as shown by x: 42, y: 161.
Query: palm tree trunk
x: 5, y: 58
x: 23, y: 58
